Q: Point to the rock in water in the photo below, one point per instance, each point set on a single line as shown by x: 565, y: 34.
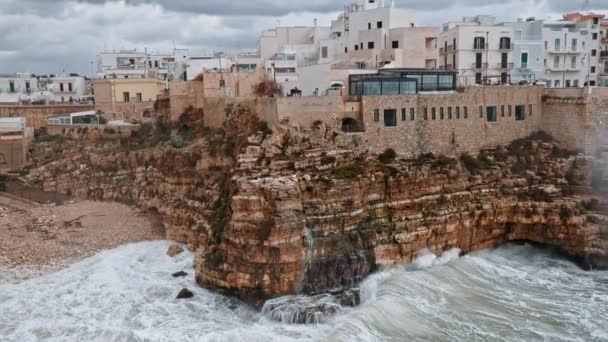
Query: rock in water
x: 184, y: 294
x: 350, y: 297
x: 301, y: 309
x: 179, y: 274
x: 174, y: 250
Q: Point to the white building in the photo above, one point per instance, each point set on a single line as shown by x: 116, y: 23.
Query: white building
x: 141, y: 64
x: 18, y: 88
x: 480, y: 51
x: 68, y: 88
x: 205, y: 63
x: 528, y: 50
x: 567, y: 55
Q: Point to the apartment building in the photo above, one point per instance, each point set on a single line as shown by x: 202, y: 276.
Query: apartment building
x: 528, y: 50
x: 127, y: 99
x: 20, y: 83
x: 141, y: 64
x: 67, y: 88
x: 478, y: 49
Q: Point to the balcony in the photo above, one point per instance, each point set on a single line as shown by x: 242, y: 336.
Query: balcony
x: 479, y: 47
x: 562, y: 68
x: 506, y: 47
x: 564, y: 51
x: 604, y: 54
x: 505, y: 66
x: 605, y: 40
x: 479, y: 66
x: 450, y: 48
x: 523, y: 67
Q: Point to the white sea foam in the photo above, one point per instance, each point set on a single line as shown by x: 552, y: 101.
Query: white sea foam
x: 516, y: 293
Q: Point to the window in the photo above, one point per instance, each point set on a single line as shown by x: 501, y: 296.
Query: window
x: 546, y: 45
x: 592, y: 83
x: 491, y: 114
x: 529, y: 110
x: 412, y: 114
x: 524, y: 59
x: 390, y: 117
x: 403, y: 114
x: 27, y: 86
x: 441, y: 113
x: 379, y: 24
x: 478, y: 60
x: 593, y: 70
x: 433, y: 113
x: 574, y: 43
x: 345, y: 50
x: 557, y: 44
x: 504, y: 60
x: 520, y: 113
x: 575, y: 84
x: 505, y: 43
x: 556, y: 84
x: 390, y: 87
x: 11, y: 86
x: 594, y: 36
x: 594, y: 52
x: 369, y: 26
x: 425, y: 113
x: 478, y: 78
x: 324, y: 52
x: 395, y: 44
x: 139, y: 97
x: 596, y: 21
x: 61, y: 87
x: 556, y: 62
x: 457, y: 112
x: 466, y: 112
x: 126, y: 97
x: 502, y: 111
x: 573, y: 62
x: 70, y: 87
x: 481, y: 111
x: 510, y: 111
x: 370, y: 45
x: 356, y: 47
x: 479, y: 43
x: 376, y: 115
x: 449, y: 113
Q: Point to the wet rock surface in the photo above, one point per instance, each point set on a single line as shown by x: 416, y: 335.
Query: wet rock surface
x: 174, y: 250
x: 179, y: 274
x: 302, y: 309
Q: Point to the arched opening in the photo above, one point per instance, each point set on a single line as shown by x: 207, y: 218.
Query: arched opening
x: 350, y: 125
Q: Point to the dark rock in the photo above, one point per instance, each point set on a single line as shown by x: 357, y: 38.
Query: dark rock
x: 179, y: 274
x: 184, y: 294
x: 301, y: 309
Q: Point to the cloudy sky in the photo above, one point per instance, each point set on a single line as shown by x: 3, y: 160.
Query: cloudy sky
x: 52, y: 36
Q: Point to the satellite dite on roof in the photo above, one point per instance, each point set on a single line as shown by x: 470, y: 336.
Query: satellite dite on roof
x: 12, y: 125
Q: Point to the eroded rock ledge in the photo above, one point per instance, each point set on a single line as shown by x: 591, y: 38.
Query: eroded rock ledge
x: 308, y: 210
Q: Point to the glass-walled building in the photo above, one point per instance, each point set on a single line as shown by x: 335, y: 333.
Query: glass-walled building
x: 401, y: 81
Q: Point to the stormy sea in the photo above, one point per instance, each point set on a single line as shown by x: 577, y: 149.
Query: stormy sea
x: 514, y: 293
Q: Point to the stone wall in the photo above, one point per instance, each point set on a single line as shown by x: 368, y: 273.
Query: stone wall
x: 183, y: 95
x: 36, y: 116
x: 217, y: 108
x: 461, y: 127
x: 91, y: 132
x: 578, y: 118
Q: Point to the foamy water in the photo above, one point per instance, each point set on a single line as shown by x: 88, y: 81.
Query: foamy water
x: 516, y: 293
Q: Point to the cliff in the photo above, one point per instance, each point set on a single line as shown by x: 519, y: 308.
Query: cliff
x: 308, y: 210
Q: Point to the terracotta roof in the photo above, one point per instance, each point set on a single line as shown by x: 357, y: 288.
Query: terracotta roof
x: 582, y: 17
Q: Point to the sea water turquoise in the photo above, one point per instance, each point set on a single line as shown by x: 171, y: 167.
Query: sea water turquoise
x: 513, y: 293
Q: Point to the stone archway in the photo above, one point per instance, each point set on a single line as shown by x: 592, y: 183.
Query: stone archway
x: 350, y: 125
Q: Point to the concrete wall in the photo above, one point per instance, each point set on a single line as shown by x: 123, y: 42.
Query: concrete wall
x: 91, y: 132
x: 303, y: 111
x: 452, y: 136
x: 36, y: 116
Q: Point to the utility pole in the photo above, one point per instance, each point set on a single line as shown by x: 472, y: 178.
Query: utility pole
x: 487, y: 53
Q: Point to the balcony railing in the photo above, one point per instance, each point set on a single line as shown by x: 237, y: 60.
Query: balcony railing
x: 506, y: 47
x: 479, y: 46
x: 450, y: 48
x: 479, y: 66
x: 604, y: 54
x: 507, y: 66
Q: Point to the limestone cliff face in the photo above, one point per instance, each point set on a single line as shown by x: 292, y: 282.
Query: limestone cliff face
x: 309, y: 211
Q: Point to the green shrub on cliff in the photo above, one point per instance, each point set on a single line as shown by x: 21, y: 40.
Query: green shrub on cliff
x: 471, y: 163
x: 388, y: 156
